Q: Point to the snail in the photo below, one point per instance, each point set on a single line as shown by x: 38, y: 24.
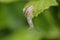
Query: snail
x: 28, y: 13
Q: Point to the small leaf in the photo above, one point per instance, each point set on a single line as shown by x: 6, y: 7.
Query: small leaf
x: 40, y: 5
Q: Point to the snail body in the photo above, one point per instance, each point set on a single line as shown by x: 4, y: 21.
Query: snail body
x: 28, y: 13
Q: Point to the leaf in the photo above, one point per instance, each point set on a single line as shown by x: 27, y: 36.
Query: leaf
x: 40, y: 5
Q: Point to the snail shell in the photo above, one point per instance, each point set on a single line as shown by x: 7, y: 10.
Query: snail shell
x: 29, y: 11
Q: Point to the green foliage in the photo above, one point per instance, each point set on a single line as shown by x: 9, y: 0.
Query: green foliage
x: 40, y: 5
x: 8, y: 1
x: 13, y: 24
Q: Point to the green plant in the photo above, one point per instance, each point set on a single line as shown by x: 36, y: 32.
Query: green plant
x: 46, y: 19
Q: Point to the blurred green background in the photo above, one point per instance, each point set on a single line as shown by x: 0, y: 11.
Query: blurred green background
x: 13, y: 24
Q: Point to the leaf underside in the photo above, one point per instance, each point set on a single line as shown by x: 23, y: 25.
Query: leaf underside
x: 40, y: 5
